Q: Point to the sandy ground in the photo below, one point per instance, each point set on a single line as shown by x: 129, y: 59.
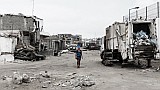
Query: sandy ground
x: 105, y: 78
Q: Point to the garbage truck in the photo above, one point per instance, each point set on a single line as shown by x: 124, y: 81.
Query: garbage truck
x: 131, y: 41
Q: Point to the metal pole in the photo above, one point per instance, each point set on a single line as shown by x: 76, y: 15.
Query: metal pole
x: 146, y: 13
x: 129, y: 15
x: 136, y: 14
x: 130, y: 11
x: 158, y: 9
x: 123, y: 18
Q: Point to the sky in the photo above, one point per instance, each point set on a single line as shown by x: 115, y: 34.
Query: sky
x: 88, y: 18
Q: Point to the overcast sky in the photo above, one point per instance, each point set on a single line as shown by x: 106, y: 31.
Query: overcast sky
x: 86, y: 17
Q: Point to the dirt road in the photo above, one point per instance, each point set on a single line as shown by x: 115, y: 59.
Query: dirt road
x: 62, y: 69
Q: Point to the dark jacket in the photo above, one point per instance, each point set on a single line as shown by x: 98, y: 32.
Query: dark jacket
x: 78, y: 54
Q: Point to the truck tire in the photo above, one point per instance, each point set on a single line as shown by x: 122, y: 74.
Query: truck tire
x: 148, y: 63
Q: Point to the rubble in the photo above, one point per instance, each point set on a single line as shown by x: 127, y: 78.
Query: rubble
x: 82, y: 81
x: 4, y: 77
x: 70, y: 74
x: 44, y: 74
x: 149, y: 70
x: 33, y: 78
x: 72, y: 80
x: 25, y: 78
x: 27, y: 52
x: 56, y: 84
x: 77, y: 88
x: 76, y: 81
x: 44, y: 86
x: 17, y: 78
x: 88, y: 83
x: 47, y: 82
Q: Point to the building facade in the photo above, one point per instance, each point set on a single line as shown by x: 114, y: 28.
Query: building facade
x: 29, y: 27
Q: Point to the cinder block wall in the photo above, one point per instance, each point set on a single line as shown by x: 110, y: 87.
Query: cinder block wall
x: 29, y: 23
x: 17, y: 22
x: 13, y: 22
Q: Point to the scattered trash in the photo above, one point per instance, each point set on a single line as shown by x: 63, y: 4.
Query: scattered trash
x: 56, y: 84
x: 77, y: 88
x: 63, y: 85
x: 77, y: 81
x: 33, y: 78
x: 25, y: 78
x: 88, y: 83
x: 44, y: 74
x: 64, y: 51
x: 70, y: 74
x: 82, y: 81
x: 144, y: 71
x: 141, y: 38
x: 17, y: 78
x: 149, y: 70
x: 47, y: 82
x: 44, y: 86
x: 141, y: 35
x: 74, y: 81
x: 157, y: 69
x: 4, y: 77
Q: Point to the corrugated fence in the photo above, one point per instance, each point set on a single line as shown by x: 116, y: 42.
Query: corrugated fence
x: 149, y: 12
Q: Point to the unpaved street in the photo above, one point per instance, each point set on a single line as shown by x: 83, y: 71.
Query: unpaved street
x: 63, y: 69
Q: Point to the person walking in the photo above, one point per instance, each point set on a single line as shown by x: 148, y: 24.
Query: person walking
x: 78, y: 56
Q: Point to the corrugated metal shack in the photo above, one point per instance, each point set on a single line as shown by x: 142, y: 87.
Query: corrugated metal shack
x: 50, y: 45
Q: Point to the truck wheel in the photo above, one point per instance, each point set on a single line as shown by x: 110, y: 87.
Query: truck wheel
x: 148, y: 63
x: 102, y: 55
x: 122, y: 66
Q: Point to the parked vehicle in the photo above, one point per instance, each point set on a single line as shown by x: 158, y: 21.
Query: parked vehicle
x: 92, y: 46
x: 131, y: 41
x: 72, y: 48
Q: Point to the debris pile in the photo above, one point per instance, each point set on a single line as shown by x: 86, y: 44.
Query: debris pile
x: 19, y: 79
x: 82, y: 81
x: 44, y: 80
x: 141, y: 38
x: 76, y: 81
x: 27, y: 52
